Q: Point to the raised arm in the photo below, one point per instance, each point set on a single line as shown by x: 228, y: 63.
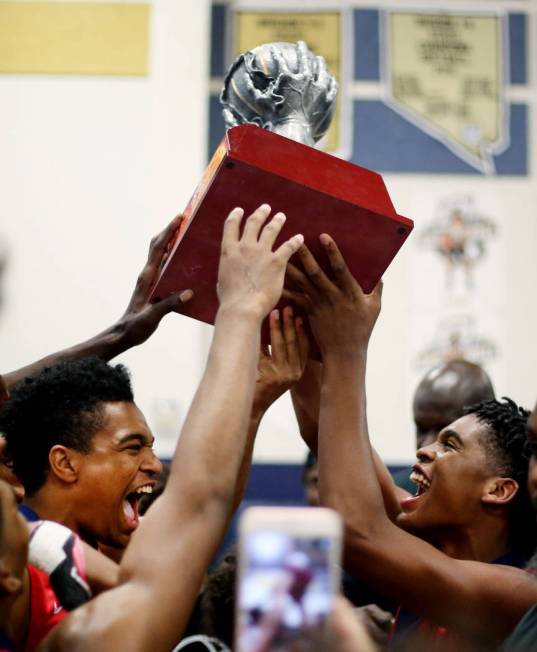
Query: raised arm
x: 279, y: 368
x: 306, y: 396
x: 134, y: 327
x: 483, y: 601
x: 165, y: 562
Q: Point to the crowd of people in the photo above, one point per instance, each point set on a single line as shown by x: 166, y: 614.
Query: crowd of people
x: 103, y: 549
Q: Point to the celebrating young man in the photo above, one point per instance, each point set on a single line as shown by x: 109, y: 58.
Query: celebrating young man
x: 164, y: 565
x: 430, y: 552
x: 91, y: 458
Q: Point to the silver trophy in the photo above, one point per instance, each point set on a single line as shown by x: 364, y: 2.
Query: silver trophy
x: 282, y: 87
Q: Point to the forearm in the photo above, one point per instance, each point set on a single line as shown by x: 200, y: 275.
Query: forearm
x: 306, y: 397
x: 348, y: 478
x: 220, y: 411
x: 246, y: 462
x: 102, y: 573
x: 189, y: 520
x: 106, y: 345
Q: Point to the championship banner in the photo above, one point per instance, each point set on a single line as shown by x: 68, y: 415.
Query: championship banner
x: 320, y: 30
x: 422, y: 91
x: 445, y: 73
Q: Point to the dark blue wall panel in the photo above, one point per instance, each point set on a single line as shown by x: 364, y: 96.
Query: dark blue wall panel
x: 518, y: 58
x: 383, y: 140
x: 366, y: 45
x: 218, y: 32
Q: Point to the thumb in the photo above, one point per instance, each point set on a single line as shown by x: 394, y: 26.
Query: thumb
x: 378, y: 289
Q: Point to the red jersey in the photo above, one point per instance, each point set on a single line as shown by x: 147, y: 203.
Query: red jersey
x: 423, y: 633
x: 45, y: 609
x: 435, y: 638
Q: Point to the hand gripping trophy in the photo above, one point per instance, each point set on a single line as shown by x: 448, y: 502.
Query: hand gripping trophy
x: 282, y: 87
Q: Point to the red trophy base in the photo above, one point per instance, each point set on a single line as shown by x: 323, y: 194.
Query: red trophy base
x: 318, y: 193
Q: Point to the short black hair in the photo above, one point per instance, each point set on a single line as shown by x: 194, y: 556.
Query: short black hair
x: 508, y: 449
x: 62, y: 404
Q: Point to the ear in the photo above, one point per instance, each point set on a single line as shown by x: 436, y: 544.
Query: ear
x: 64, y: 463
x: 500, y: 491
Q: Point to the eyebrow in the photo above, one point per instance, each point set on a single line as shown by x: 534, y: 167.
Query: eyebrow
x: 451, y: 434
x: 142, y: 439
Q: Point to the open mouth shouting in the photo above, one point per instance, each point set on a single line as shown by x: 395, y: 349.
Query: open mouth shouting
x: 421, y: 480
x: 423, y: 483
x: 131, y: 504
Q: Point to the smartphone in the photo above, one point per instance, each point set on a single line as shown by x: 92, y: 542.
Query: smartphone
x: 288, y: 575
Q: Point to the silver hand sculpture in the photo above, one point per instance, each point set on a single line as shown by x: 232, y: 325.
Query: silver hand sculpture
x: 282, y: 87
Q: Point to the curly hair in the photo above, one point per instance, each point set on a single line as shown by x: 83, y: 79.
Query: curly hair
x: 509, y: 451
x: 62, y: 404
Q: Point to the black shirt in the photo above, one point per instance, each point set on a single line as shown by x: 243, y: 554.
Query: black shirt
x: 524, y: 636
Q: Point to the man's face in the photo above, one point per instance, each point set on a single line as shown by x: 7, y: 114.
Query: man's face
x: 431, y: 416
x: 14, y: 537
x: 450, y: 477
x: 113, y: 477
x: 532, y: 472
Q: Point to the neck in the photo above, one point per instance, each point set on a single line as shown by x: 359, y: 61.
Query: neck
x: 53, y: 504
x: 481, y: 542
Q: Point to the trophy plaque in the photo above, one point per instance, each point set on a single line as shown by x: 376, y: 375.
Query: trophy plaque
x: 278, y: 101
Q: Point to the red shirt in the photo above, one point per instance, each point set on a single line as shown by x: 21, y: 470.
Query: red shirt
x: 45, y: 609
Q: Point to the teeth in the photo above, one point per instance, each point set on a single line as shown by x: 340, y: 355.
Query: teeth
x: 420, y: 479
x: 145, y: 489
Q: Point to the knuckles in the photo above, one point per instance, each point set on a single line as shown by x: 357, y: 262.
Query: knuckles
x: 339, y: 268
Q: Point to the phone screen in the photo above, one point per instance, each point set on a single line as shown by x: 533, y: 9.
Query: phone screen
x: 286, y: 591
